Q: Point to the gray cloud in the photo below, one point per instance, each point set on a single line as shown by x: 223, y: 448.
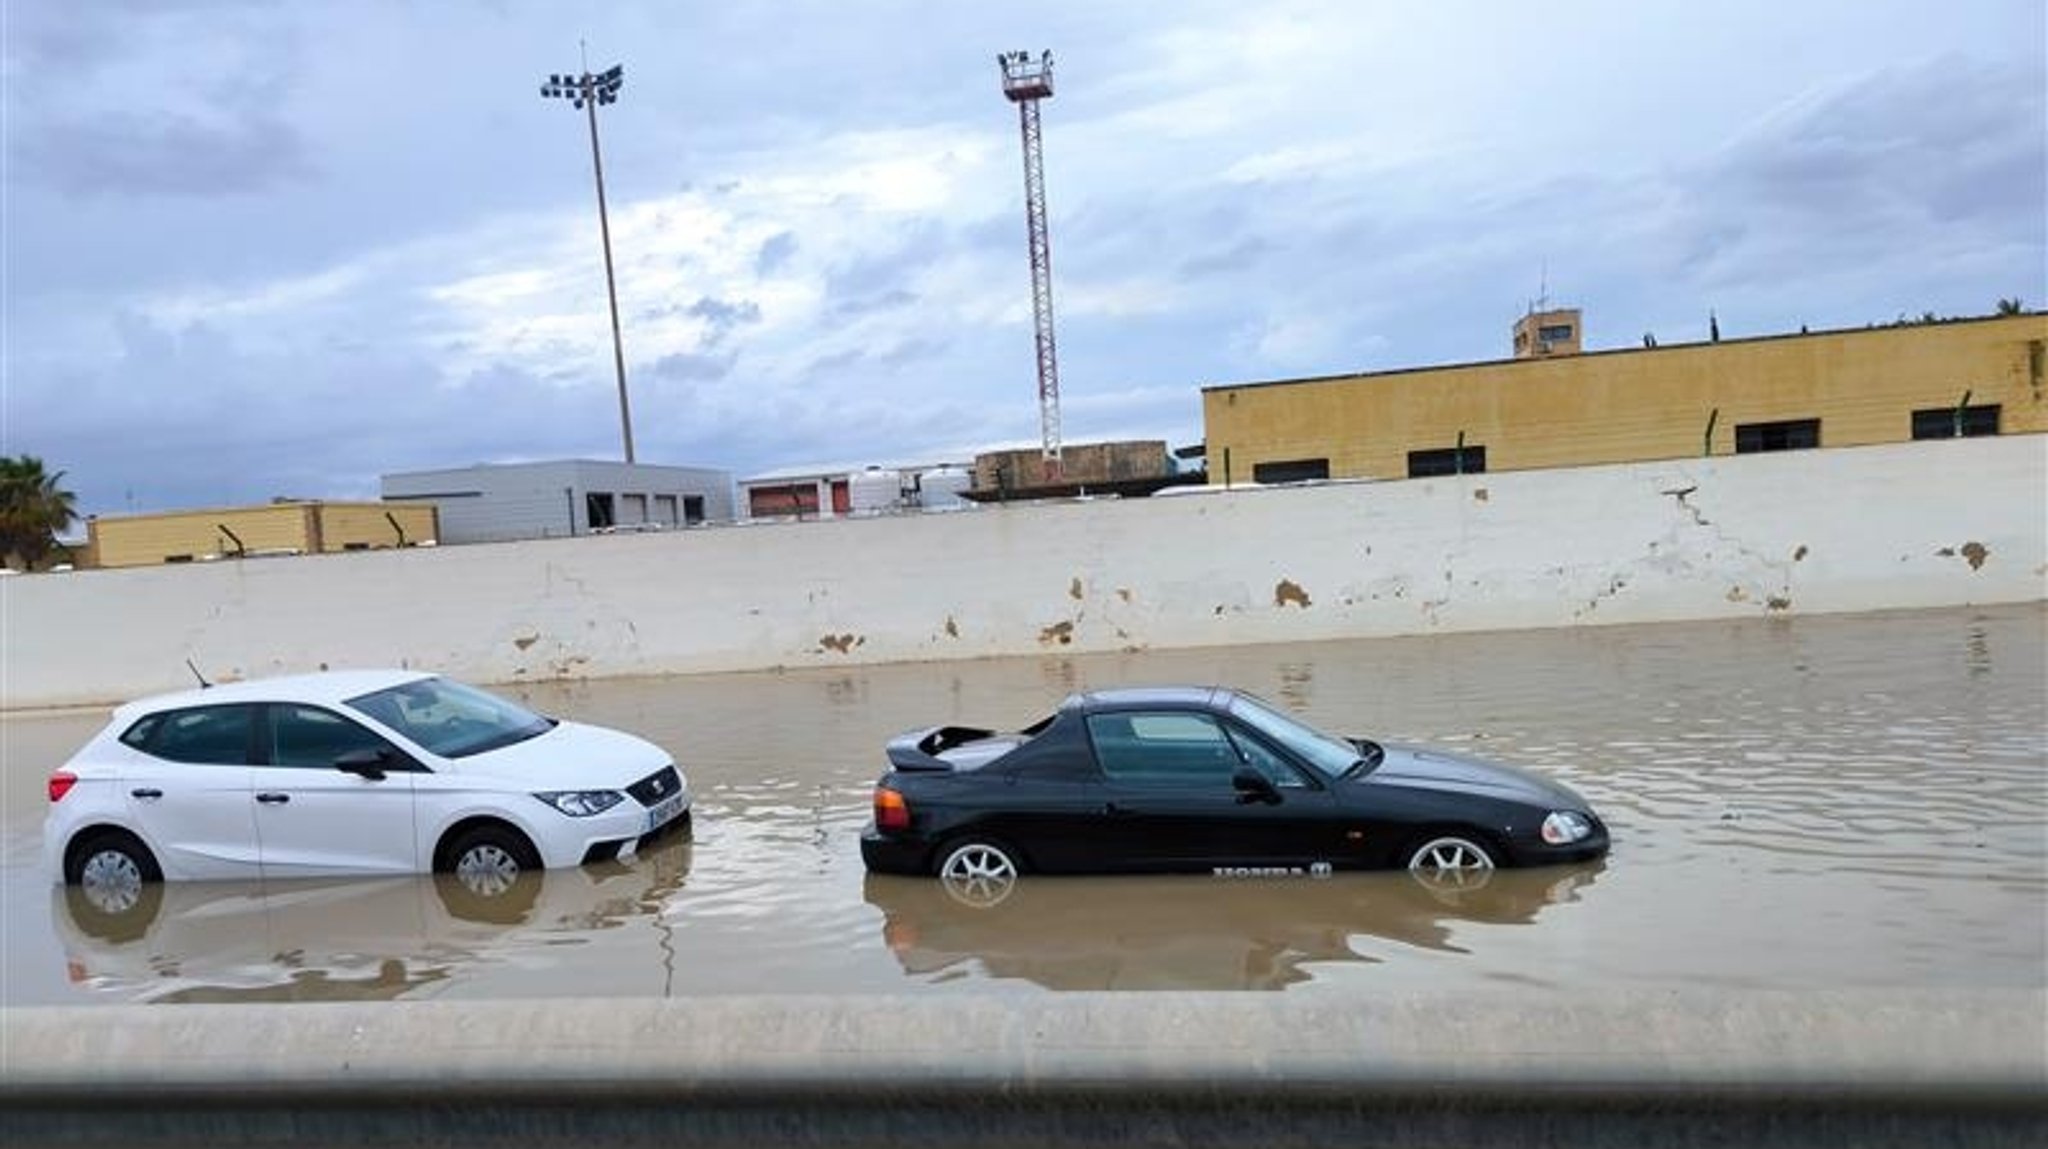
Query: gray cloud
x: 776, y: 252
x: 1235, y: 257
x: 693, y: 366
x: 881, y: 301
x: 723, y: 318
x: 161, y: 154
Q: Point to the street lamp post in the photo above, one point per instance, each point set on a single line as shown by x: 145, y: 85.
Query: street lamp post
x: 587, y: 90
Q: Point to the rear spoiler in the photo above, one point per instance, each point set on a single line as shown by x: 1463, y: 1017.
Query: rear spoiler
x: 920, y: 749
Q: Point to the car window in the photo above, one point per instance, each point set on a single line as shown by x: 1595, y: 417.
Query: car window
x: 307, y: 736
x: 1330, y: 755
x: 216, y: 735
x: 1166, y: 748
x: 138, y: 735
x: 1269, y: 762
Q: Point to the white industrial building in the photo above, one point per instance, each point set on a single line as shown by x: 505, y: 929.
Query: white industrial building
x: 500, y: 502
x: 871, y: 490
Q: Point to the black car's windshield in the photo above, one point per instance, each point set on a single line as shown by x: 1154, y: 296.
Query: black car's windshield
x: 1334, y: 757
x: 450, y: 719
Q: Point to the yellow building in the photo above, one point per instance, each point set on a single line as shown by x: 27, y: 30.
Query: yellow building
x: 1826, y: 389
x: 286, y: 527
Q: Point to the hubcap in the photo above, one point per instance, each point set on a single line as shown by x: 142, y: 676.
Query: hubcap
x: 487, y: 870
x: 111, y: 880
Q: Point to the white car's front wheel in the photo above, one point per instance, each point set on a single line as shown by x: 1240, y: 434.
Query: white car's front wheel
x: 488, y: 859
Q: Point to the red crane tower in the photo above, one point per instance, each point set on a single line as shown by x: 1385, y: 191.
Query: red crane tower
x: 1025, y: 82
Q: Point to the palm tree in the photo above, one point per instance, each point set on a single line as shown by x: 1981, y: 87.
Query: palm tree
x: 2011, y: 306
x: 33, y: 510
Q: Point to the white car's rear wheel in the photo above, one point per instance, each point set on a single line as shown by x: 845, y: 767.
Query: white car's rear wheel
x: 111, y: 867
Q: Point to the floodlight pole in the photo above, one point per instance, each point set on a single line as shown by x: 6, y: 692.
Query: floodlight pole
x: 611, y: 289
x: 588, y: 90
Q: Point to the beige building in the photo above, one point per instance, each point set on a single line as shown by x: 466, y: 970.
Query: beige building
x: 286, y: 527
x: 1826, y: 389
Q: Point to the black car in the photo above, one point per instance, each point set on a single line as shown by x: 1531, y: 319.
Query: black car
x: 1205, y: 779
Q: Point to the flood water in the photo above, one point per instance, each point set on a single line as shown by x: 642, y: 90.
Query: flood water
x: 1850, y: 801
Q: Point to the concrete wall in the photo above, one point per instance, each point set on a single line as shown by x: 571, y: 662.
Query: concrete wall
x: 1930, y: 524
x: 1894, y: 1067
x: 1635, y: 405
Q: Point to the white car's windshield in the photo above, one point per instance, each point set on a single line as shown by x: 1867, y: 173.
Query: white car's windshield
x: 450, y: 719
x: 1333, y: 756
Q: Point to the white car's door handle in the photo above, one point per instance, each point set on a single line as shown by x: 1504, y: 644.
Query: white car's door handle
x: 146, y: 793
x: 273, y: 799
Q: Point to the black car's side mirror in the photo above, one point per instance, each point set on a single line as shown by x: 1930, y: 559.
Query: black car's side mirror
x: 1252, y: 786
x: 368, y: 764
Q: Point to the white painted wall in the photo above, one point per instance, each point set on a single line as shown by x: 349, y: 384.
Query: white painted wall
x: 1911, y: 525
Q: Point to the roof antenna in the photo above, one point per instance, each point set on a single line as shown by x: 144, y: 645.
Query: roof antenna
x: 203, y: 684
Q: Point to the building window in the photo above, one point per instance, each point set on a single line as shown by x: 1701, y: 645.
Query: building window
x: 1554, y: 333
x: 1291, y: 471
x: 1786, y: 435
x: 1956, y: 422
x: 597, y: 510
x: 1446, y: 461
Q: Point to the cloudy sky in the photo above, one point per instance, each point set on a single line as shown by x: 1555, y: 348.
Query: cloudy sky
x: 279, y: 249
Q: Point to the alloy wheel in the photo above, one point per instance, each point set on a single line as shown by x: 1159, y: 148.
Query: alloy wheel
x: 978, y: 874
x: 1451, y: 862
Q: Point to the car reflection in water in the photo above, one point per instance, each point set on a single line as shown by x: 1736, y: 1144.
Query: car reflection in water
x: 350, y: 940
x: 1220, y: 933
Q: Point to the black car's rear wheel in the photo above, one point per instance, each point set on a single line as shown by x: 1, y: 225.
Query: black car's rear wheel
x: 1445, y: 860
x: 978, y: 871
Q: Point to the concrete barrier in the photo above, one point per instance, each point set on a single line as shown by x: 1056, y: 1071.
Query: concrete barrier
x: 1867, y: 1067
x: 1930, y: 524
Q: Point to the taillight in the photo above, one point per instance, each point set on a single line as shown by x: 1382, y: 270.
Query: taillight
x: 891, y: 811
x: 61, y: 783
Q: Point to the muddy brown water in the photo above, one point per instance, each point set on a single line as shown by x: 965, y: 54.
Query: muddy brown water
x: 1852, y: 801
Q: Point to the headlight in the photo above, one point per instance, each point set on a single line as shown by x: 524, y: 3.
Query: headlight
x: 584, y: 803
x: 1564, y: 827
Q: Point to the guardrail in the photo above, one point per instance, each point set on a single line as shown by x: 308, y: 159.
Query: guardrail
x: 1532, y: 1067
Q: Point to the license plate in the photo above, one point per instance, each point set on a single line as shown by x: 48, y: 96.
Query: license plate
x: 663, y: 814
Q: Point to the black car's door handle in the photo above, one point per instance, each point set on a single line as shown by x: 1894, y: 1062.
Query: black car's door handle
x: 147, y: 792
x: 1117, y: 810
x: 273, y: 799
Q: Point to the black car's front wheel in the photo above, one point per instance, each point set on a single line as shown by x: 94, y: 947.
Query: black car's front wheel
x: 1443, y: 857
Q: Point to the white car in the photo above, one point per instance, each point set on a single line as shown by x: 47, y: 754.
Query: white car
x: 349, y: 773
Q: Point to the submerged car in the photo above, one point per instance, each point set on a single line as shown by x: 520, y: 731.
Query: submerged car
x: 1205, y: 779
x: 349, y: 773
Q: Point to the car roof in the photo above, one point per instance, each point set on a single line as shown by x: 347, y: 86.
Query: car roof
x: 1128, y: 697
x: 331, y: 687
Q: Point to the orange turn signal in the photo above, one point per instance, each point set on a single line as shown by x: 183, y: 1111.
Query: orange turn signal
x: 891, y: 811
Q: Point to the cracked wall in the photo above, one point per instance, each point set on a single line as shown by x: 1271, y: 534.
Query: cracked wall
x: 1932, y: 524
